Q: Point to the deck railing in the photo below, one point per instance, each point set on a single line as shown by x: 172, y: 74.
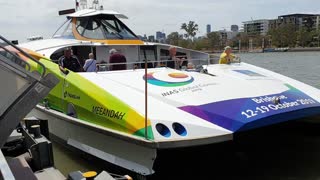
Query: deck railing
x: 187, y: 64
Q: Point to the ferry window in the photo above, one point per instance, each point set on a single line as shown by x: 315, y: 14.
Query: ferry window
x: 56, y: 55
x: 126, y: 34
x: 90, y: 28
x: 65, y: 30
x: 149, y: 53
x: 104, y: 27
x: 164, y: 54
x: 95, y: 31
x: 181, y: 54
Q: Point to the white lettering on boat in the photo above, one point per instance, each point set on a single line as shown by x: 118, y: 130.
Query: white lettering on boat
x: 73, y: 96
x: 108, y: 112
x: 269, y: 108
x: 260, y: 100
x: 168, y: 93
x: 194, y: 88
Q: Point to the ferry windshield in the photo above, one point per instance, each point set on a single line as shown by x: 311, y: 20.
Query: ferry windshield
x: 65, y: 31
x: 103, y: 27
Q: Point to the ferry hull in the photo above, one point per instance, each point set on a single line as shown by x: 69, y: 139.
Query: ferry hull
x: 131, y: 153
x: 99, y: 143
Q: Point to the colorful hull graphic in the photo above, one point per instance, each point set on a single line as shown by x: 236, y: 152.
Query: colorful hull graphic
x: 248, y: 113
x: 92, y: 104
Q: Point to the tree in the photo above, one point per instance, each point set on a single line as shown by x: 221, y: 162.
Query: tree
x: 304, y: 37
x: 173, y: 38
x: 308, y: 23
x: 289, y: 35
x: 243, y: 38
x: 191, y: 29
x: 316, y: 36
x: 185, y: 43
x: 284, y: 36
x: 201, y: 44
x: 213, y: 39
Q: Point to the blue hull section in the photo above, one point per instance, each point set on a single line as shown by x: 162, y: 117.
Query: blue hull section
x: 249, y: 113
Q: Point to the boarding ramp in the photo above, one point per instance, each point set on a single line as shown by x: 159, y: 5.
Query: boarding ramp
x: 21, y: 90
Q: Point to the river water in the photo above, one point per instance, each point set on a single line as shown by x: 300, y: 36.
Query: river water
x: 292, y: 154
x: 303, y: 66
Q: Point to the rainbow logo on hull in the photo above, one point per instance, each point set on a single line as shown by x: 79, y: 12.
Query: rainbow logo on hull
x: 169, y: 80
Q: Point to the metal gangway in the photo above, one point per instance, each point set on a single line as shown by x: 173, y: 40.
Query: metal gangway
x: 21, y: 90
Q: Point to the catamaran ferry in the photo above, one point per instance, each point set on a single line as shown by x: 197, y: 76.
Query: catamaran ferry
x: 127, y: 117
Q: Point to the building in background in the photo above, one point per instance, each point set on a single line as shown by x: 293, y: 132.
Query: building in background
x: 234, y: 28
x: 151, y: 38
x: 140, y: 37
x: 160, y: 36
x: 309, y: 21
x: 143, y: 38
x: 256, y: 27
x: 226, y: 36
x: 208, y: 28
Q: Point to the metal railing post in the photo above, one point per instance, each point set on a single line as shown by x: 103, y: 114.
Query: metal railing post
x: 146, y: 97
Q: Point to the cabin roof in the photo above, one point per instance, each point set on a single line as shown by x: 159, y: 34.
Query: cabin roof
x: 94, y: 12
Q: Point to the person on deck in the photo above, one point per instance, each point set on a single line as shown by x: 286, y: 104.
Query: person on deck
x: 90, y: 64
x: 227, y: 56
x: 69, y: 62
x: 116, y: 57
x: 174, y: 62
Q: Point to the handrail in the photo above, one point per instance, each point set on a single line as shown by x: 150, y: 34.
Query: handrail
x: 147, y: 62
x: 23, y: 53
x: 146, y: 98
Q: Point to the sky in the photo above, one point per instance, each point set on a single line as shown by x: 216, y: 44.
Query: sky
x: 21, y: 19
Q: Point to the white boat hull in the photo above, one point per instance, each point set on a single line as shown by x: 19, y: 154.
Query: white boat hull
x: 132, y: 153
x: 97, y: 142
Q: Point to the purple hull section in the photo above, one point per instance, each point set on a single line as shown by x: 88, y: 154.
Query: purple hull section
x: 247, y: 113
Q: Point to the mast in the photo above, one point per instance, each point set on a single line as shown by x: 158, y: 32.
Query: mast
x: 83, y: 4
x: 95, y: 4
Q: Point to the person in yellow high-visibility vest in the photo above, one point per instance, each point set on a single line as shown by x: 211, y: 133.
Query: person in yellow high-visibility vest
x: 227, y: 57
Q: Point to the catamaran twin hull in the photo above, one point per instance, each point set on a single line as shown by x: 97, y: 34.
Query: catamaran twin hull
x: 103, y: 113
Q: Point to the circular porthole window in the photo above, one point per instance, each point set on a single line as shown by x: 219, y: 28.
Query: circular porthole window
x: 179, y: 129
x: 163, y: 130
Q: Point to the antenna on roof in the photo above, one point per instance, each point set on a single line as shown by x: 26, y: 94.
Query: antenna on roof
x: 83, y: 4
x: 95, y: 4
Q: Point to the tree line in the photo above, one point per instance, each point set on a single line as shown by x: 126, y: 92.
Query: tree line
x: 286, y: 35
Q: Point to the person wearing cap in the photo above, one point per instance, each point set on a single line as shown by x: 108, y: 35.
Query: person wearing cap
x: 227, y: 57
x: 116, y: 57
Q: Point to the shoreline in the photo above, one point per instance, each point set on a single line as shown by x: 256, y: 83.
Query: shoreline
x: 303, y: 49
x: 295, y: 49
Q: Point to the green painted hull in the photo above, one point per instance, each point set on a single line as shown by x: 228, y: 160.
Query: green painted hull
x: 92, y: 104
